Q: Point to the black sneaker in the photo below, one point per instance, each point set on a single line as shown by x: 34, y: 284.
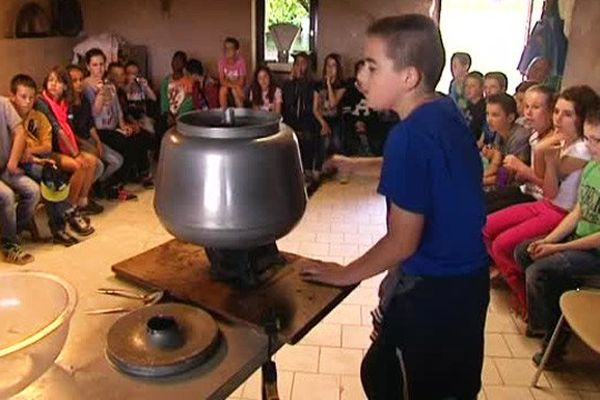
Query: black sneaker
x: 63, y: 237
x: 92, y: 208
x: 79, y: 224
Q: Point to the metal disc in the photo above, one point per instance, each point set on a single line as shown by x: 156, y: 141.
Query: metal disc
x: 162, y: 340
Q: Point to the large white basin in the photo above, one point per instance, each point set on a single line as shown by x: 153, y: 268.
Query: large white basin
x: 35, y: 310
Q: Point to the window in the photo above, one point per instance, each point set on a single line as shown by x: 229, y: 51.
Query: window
x: 302, y: 13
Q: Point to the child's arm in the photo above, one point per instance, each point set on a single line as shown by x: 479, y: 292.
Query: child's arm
x: 16, y: 150
x: 370, y: 166
x: 566, y: 226
x: 334, y: 95
x: 551, y: 243
x: 521, y: 170
x: 45, y: 136
x: 277, y: 101
x: 495, y: 158
x: 99, y: 144
x: 325, y: 129
x: 402, y: 240
x: 147, y: 89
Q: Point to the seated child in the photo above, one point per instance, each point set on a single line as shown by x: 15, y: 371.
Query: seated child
x: 328, y: 94
x: 556, y: 262
x: 358, y: 117
x: 297, y: 112
x: 175, y: 96
x: 14, y: 216
x: 264, y: 95
x: 110, y: 123
x: 205, y: 90
x: 475, y: 112
x: 38, y: 150
x: 539, y: 107
x: 232, y: 73
x: 138, y: 93
x: 140, y: 142
x: 520, y: 99
x: 459, y: 66
x: 54, y: 103
x: 86, y: 133
x: 494, y: 82
x: 511, y: 138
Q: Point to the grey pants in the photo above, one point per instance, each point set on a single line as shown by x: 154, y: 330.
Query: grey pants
x: 16, y: 218
x: 549, y: 277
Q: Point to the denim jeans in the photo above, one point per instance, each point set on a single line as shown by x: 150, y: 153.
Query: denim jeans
x: 13, y: 219
x: 549, y: 277
x: 110, y: 162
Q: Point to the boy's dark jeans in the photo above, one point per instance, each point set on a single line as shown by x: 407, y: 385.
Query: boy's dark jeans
x: 433, y: 334
x: 548, y: 278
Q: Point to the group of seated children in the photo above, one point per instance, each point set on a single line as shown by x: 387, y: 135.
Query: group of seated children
x: 80, y: 137
x: 329, y: 115
x: 540, y: 153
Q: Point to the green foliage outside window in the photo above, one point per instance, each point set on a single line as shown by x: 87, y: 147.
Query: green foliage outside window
x: 286, y: 11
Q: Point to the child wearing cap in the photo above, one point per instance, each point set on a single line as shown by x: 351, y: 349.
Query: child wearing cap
x: 429, y: 325
x: 14, y: 182
x: 38, y: 151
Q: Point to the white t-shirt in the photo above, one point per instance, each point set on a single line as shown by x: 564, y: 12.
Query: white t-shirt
x: 567, y: 191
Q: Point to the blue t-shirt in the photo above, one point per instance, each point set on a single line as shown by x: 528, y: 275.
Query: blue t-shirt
x: 431, y: 166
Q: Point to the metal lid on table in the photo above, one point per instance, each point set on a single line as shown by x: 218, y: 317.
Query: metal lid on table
x: 232, y: 123
x: 162, y: 340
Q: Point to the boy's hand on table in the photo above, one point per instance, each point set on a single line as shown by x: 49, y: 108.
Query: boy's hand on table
x: 326, y: 274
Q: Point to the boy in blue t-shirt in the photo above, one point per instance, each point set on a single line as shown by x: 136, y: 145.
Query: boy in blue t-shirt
x: 428, y: 339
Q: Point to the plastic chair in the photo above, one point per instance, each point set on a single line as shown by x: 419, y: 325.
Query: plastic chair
x: 579, y: 309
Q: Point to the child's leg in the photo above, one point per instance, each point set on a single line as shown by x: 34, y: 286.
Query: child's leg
x: 499, y: 222
x: 441, y: 344
x: 503, y: 247
x: 238, y: 96
x: 380, y: 372
x: 8, y: 216
x: 90, y: 172
x: 223, y: 91
x: 76, y: 181
x: 548, y: 278
x: 29, y: 195
x: 113, y: 160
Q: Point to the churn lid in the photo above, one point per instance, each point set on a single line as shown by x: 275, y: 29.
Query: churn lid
x: 161, y: 340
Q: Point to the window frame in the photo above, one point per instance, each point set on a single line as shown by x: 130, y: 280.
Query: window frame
x: 260, y: 30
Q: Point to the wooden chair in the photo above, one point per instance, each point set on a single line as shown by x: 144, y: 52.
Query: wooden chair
x: 580, y: 310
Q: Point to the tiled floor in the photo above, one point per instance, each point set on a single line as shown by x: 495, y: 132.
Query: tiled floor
x: 341, y: 222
